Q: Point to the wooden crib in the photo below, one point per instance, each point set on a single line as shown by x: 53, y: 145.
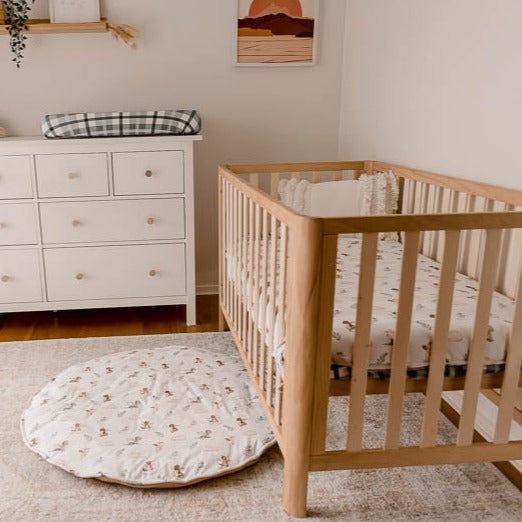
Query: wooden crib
x: 468, y: 227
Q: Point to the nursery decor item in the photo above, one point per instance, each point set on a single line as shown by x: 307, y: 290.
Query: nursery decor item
x: 149, y: 123
x: 77, y: 11
x: 166, y: 417
x: 125, y: 33
x: 17, y: 15
x: 276, y: 32
x: 14, y: 21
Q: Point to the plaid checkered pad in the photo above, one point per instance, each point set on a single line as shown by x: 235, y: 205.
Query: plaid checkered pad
x: 110, y: 124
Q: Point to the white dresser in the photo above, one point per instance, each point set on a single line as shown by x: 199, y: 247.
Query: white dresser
x: 97, y: 223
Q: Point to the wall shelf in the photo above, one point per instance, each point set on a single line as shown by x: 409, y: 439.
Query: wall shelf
x: 46, y: 27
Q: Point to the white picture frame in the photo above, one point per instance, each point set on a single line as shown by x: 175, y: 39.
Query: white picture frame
x: 74, y: 11
x: 239, y: 60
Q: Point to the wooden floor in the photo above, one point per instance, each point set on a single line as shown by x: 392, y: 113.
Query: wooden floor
x: 108, y: 322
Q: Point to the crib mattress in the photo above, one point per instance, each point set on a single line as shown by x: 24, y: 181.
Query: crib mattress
x: 387, y: 284
x: 384, y: 315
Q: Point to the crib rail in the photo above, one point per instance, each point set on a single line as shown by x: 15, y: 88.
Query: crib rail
x: 297, y: 255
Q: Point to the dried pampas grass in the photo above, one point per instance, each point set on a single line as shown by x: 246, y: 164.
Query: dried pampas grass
x: 124, y: 32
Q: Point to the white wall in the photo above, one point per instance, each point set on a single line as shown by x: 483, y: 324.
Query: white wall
x: 184, y: 60
x: 435, y: 84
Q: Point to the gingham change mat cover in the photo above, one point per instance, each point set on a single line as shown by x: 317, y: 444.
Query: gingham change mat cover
x: 113, y: 124
x: 172, y: 415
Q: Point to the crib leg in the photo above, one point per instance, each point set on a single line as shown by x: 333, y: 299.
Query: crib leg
x: 222, y: 323
x: 295, y: 487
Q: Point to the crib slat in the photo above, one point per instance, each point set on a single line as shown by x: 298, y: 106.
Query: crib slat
x: 402, y: 339
x: 235, y: 259
x: 511, y: 373
x: 254, y: 180
x: 244, y: 273
x: 406, y: 189
x: 419, y: 191
x: 244, y: 264
x: 323, y: 357
x: 435, y: 238
x: 360, y: 351
x: 514, y: 262
x: 507, y: 281
x: 275, y: 177
x: 440, y: 338
x: 479, y: 337
x: 263, y: 311
x: 338, y: 175
x: 237, y: 250
x: 231, y: 252
x: 250, y: 281
x: 316, y: 177
x: 225, y: 251
x: 474, y: 244
x: 272, y: 281
x: 488, y: 207
x: 257, y: 286
x: 464, y: 206
x: 281, y: 308
x: 428, y: 209
x: 229, y: 272
x: 454, y: 201
x: 424, y: 210
x: 407, y: 198
x: 415, y: 187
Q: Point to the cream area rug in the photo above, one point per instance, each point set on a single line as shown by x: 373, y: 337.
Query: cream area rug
x: 32, y: 490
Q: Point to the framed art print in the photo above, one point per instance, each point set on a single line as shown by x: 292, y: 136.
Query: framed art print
x: 276, y: 32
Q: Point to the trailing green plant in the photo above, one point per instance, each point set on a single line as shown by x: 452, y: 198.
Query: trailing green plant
x: 17, y: 15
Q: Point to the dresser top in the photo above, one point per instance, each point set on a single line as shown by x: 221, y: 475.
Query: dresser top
x: 39, y: 144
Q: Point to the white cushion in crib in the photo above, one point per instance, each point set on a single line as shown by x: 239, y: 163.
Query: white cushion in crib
x: 334, y: 199
x: 325, y: 199
x: 164, y: 417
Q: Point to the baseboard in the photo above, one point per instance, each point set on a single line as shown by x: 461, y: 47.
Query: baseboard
x: 207, y: 289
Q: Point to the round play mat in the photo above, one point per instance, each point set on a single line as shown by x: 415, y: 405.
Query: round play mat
x: 164, y: 417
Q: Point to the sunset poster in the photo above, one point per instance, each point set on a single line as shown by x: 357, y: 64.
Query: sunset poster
x: 276, y: 32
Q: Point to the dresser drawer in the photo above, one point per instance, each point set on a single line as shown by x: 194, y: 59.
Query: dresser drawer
x: 17, y: 224
x: 148, y: 172
x: 71, y: 175
x: 115, y: 272
x: 123, y: 220
x: 15, y: 177
x: 20, y: 276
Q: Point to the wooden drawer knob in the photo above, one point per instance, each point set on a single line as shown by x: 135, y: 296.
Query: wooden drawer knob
x: 148, y: 173
x: 5, y: 279
x: 72, y: 175
x: 151, y: 221
x: 75, y: 223
x: 79, y: 276
x: 153, y: 273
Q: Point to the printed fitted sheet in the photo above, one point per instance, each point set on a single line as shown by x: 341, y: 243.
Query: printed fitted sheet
x: 387, y: 284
